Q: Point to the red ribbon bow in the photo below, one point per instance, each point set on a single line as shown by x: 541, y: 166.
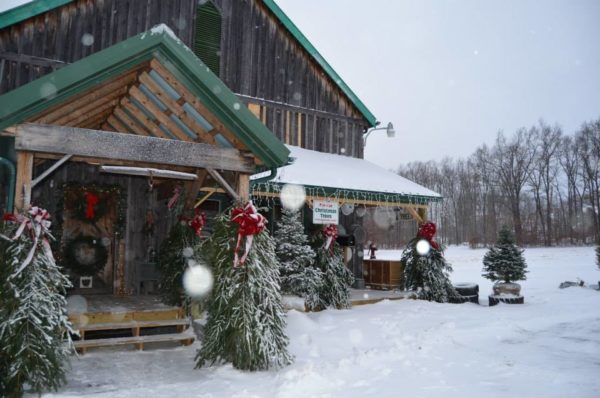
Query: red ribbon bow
x: 91, y: 201
x: 198, y: 222
x: 38, y: 226
x: 250, y: 222
x: 330, y: 232
x: 427, y: 231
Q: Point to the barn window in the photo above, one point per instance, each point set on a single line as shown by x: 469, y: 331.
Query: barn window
x: 207, y: 40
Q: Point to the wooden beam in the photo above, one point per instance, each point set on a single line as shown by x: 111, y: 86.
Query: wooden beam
x: 96, y: 121
x: 91, y: 115
x: 23, y: 185
x: 90, y: 107
x: 415, y: 214
x: 129, y: 122
x: 243, y: 188
x: 205, y: 197
x: 176, y: 108
x: 117, y: 124
x: 108, y: 145
x: 422, y: 213
x: 195, y: 103
x: 49, y: 170
x: 90, y: 95
x: 223, y: 183
x: 136, y: 93
x: 147, y: 123
x: 148, y: 172
x: 193, y: 188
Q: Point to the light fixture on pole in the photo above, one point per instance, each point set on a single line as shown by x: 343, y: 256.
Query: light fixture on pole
x: 391, y: 133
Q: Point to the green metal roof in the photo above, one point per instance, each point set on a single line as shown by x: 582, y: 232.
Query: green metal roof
x: 36, y: 7
x: 159, y: 43
x: 297, y: 34
x: 28, y: 10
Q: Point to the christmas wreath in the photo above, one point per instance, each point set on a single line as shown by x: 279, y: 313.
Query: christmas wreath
x: 85, y: 255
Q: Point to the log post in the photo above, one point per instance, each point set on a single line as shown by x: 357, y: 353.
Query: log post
x: 192, y: 189
x: 243, y: 188
x: 23, y: 184
x: 422, y: 213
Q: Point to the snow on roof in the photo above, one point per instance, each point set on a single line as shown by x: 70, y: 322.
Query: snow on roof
x: 320, y: 169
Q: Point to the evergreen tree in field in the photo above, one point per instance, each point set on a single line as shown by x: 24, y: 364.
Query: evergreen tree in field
x: 34, y: 329
x: 246, y: 321
x: 504, y: 261
x: 172, y: 262
x: 428, y: 273
x: 337, y: 278
x: 296, y: 256
x: 598, y: 255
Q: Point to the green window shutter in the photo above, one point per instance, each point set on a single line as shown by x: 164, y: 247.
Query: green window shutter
x: 207, y: 40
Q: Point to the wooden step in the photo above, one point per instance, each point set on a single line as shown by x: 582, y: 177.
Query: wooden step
x: 185, y: 338
x: 131, y: 325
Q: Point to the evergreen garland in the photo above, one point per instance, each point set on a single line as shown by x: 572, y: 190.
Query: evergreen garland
x: 92, y: 266
x: 504, y: 261
x: 172, y: 263
x: 246, y: 321
x: 298, y: 276
x: 427, y: 274
x: 334, y: 290
x: 34, y: 326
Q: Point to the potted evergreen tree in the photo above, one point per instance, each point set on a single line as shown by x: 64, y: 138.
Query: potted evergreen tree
x: 504, y: 264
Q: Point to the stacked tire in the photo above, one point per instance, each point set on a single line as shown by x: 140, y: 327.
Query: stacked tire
x: 469, y: 293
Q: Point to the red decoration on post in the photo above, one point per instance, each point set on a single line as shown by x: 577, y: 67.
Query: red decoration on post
x: 173, y: 200
x: 91, y: 201
x: 251, y: 223
x: 330, y: 232
x: 427, y: 231
x: 198, y: 222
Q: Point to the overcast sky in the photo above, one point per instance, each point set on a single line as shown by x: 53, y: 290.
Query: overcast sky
x: 450, y: 73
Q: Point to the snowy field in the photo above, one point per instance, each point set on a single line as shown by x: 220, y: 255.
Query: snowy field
x: 548, y: 347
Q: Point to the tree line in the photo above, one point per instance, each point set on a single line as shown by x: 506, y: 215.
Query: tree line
x: 541, y: 182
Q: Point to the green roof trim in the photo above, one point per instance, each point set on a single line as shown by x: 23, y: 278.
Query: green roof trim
x: 299, y: 36
x: 36, y: 7
x: 28, y: 10
x: 159, y: 43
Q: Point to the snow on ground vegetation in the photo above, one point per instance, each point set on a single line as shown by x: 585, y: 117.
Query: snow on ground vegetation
x: 548, y: 347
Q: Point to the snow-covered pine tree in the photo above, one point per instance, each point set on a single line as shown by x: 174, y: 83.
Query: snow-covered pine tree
x: 34, y: 326
x: 337, y: 278
x: 296, y: 256
x: 246, y: 321
x: 172, y: 262
x: 428, y: 273
x: 504, y: 261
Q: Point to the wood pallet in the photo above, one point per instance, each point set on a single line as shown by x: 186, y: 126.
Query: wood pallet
x: 134, y: 322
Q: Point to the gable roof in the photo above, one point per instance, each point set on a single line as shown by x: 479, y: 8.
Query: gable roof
x: 159, y: 44
x: 36, y: 7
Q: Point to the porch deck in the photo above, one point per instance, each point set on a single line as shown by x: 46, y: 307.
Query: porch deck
x: 372, y: 296
x: 102, y: 303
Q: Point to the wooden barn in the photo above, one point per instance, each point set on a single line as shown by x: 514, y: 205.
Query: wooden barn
x: 109, y: 107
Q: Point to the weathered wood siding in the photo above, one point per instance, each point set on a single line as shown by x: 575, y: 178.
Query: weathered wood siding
x: 139, y: 202
x: 259, y: 60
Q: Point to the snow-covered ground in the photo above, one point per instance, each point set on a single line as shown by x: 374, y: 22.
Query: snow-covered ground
x: 548, y: 347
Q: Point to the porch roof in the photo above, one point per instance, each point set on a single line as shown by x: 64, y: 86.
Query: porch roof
x: 343, y: 178
x: 150, y: 84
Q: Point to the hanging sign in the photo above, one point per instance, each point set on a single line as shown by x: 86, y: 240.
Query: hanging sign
x: 325, y: 212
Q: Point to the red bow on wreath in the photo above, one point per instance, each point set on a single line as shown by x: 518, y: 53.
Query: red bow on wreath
x: 251, y: 223
x: 198, y: 222
x: 91, y: 201
x: 426, y: 231
x: 330, y: 232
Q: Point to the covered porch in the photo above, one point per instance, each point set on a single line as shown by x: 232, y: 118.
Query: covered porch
x: 358, y: 187
x: 118, y: 147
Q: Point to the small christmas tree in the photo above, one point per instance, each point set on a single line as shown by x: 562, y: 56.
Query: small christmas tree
x: 246, y: 321
x: 504, y: 261
x: 298, y: 276
x: 337, y: 278
x: 173, y: 258
x: 425, y: 269
x: 34, y: 326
